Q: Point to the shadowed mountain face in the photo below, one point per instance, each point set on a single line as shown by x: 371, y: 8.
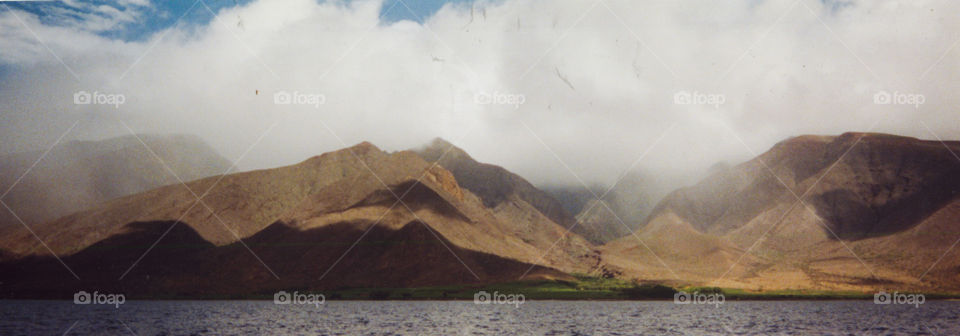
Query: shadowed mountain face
x: 498, y: 188
x: 493, y: 184
x: 358, y: 217
x: 865, y: 198
x: 884, y: 184
x: 78, y: 175
x: 185, y: 265
x: 877, y: 211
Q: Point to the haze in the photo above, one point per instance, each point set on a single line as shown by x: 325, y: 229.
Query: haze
x: 597, y: 80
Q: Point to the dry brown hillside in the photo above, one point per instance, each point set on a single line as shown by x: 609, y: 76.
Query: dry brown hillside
x: 327, y: 222
x: 78, y: 175
x: 878, y: 211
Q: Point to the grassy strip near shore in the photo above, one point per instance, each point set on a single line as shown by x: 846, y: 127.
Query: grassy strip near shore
x: 592, y: 288
x: 582, y: 287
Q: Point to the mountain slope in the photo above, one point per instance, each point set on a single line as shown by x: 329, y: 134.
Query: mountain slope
x: 185, y: 265
x: 622, y: 210
x: 511, y: 197
x: 865, y: 197
x: 79, y: 175
x: 331, y: 221
x: 493, y: 184
x: 244, y: 203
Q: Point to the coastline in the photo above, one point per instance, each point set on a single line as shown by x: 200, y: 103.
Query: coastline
x: 584, y: 288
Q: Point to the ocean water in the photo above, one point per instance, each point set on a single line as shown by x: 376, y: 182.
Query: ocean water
x: 467, y: 318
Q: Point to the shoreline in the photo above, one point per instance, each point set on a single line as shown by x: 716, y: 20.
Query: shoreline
x: 952, y: 299
x: 582, y: 288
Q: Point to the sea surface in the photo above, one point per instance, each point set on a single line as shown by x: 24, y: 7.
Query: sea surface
x: 467, y: 318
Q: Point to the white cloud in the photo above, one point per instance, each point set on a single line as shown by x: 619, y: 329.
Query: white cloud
x: 95, y: 18
x: 594, y: 93
x: 129, y: 3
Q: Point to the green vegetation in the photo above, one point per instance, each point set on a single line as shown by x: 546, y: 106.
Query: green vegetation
x: 800, y: 294
x: 586, y: 287
x: 582, y: 288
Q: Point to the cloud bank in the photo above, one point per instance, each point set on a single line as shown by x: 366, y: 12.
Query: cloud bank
x: 558, y: 91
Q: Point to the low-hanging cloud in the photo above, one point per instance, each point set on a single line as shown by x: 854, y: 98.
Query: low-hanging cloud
x: 559, y: 91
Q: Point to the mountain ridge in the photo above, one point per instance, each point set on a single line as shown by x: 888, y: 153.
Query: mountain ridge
x: 347, y: 195
x: 78, y: 175
x: 890, y: 188
x: 877, y: 211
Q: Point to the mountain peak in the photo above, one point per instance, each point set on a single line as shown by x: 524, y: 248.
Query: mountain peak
x: 363, y: 147
x: 439, y: 148
x: 873, y: 137
x: 441, y: 142
x: 845, y: 138
x: 360, y: 150
x: 493, y: 184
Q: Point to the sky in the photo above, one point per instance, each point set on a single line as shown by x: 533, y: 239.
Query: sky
x: 563, y: 92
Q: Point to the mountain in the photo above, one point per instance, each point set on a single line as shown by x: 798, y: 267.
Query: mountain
x: 81, y: 174
x: 878, y: 211
x: 511, y: 196
x: 621, y: 210
x: 496, y: 186
x: 332, y: 221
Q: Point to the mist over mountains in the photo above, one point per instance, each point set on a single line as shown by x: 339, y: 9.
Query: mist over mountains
x: 598, y: 97
x: 620, y: 209
x: 854, y: 211
x: 858, y: 211
x: 77, y: 175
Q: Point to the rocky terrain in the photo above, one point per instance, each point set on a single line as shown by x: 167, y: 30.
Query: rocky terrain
x: 853, y: 212
x: 300, y: 227
x: 877, y: 211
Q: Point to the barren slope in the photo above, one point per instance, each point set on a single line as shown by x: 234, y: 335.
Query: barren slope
x: 330, y: 221
x: 875, y: 215
x: 81, y: 174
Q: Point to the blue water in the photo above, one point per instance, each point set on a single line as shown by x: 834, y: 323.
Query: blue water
x: 467, y: 318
